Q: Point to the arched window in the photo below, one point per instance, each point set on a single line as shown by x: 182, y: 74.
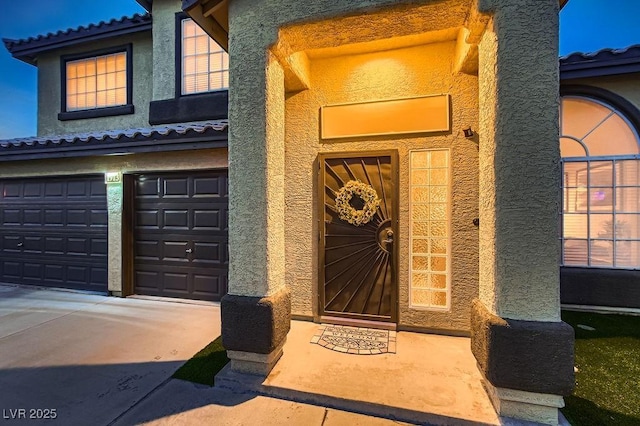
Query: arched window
x: 600, y: 184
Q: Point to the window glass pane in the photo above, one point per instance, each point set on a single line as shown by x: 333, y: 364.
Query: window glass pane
x: 575, y: 252
x: 571, y: 148
x: 92, y: 82
x: 627, y: 226
x: 579, y: 116
x: 216, y: 80
x: 615, y: 129
x: 628, y: 200
x: 575, y: 226
x: 627, y: 253
x: 601, y: 226
x: 205, y: 64
x: 601, y: 173
x: 601, y: 253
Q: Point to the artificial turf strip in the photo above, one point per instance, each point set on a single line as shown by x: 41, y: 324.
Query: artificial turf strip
x: 608, y: 377
x: 205, y: 364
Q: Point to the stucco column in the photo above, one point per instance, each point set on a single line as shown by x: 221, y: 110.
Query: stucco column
x: 523, y: 349
x: 256, y: 312
x: 114, y: 243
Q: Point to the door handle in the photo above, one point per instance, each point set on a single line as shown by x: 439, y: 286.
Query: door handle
x: 389, y: 239
x: 20, y: 244
x: 189, y: 250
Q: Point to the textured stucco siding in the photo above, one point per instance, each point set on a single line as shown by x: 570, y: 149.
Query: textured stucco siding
x: 49, y: 88
x: 405, y: 72
x: 625, y: 86
x: 134, y: 163
x: 519, y: 162
x: 164, y: 48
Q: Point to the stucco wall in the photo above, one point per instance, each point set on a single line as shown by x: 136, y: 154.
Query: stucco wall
x: 160, y: 161
x: 164, y: 39
x: 623, y: 85
x: 405, y: 72
x: 519, y: 162
x: 49, y: 88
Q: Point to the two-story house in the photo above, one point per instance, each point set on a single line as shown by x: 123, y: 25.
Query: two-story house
x: 393, y: 164
x: 125, y: 187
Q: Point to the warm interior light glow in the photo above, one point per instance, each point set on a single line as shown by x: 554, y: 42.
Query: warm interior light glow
x: 97, y: 82
x: 205, y: 65
x: 429, y: 228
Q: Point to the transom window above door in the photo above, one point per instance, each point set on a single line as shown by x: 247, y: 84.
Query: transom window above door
x: 600, y: 185
x: 204, y: 64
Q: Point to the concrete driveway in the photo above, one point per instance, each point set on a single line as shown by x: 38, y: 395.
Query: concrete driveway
x: 88, y: 357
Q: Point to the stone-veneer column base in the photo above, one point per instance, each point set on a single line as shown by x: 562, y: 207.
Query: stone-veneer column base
x: 527, y: 365
x: 253, y: 363
x: 254, y: 330
x: 521, y: 405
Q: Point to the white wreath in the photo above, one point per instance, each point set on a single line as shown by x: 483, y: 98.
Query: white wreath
x: 347, y: 212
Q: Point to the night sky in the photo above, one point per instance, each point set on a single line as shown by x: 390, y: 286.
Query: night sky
x: 585, y: 26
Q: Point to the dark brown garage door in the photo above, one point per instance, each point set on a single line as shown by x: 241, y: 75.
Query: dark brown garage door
x: 54, y: 232
x: 180, y: 233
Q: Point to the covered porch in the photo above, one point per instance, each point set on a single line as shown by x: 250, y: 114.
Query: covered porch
x: 431, y: 379
x: 486, y: 264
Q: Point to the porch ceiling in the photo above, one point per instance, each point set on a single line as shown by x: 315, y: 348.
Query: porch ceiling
x: 213, y: 17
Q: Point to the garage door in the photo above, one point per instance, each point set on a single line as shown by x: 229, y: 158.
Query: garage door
x: 54, y: 232
x: 181, y: 235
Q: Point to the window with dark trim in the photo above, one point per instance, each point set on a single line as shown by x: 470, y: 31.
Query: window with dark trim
x: 600, y: 150
x: 96, y: 84
x: 201, y: 64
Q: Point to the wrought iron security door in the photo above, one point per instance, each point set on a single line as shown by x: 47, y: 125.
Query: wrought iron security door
x: 358, y: 235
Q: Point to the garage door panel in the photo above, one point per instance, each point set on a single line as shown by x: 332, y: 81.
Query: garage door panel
x: 176, y: 219
x: 33, y: 270
x: 207, y: 253
x: 11, y: 217
x: 54, y: 232
x: 208, y: 187
x: 54, y: 217
x: 33, y: 190
x: 53, y: 189
x: 146, y: 280
x: 54, y: 273
x: 175, y: 251
x: 184, y: 217
x: 176, y: 282
x: 176, y: 187
x: 11, y: 269
x: 205, y: 284
x: 207, y: 220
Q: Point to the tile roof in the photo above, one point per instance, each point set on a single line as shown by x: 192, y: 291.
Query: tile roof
x: 600, y: 63
x: 27, y: 49
x: 155, y: 138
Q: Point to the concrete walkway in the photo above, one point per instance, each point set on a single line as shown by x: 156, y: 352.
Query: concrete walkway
x: 430, y: 380
x: 108, y: 361
x: 91, y: 357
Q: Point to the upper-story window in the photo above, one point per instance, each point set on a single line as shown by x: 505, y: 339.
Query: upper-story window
x: 204, y: 64
x: 96, y: 84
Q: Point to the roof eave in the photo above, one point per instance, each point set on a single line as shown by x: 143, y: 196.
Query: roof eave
x: 28, y: 50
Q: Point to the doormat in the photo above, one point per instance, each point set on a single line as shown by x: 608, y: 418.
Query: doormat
x: 355, y: 340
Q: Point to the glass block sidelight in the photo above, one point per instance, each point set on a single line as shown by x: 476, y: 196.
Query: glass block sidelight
x: 429, y: 214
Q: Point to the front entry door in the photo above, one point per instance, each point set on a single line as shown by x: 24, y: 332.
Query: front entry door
x: 358, y: 235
